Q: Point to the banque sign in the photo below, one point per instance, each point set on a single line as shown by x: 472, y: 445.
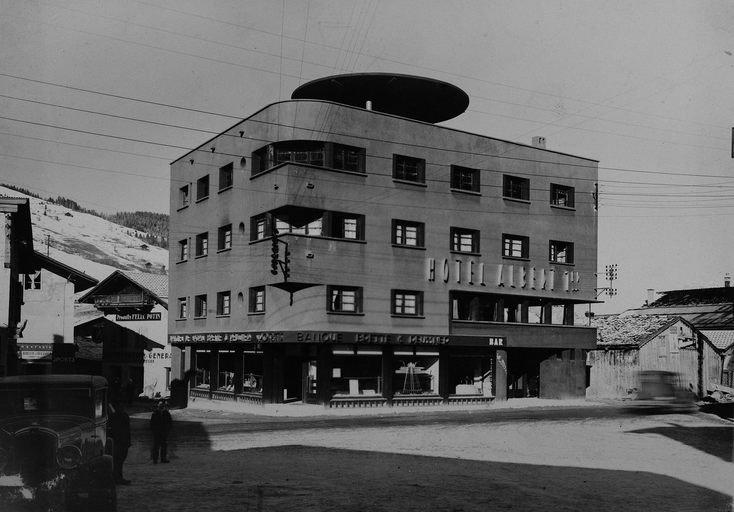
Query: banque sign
x: 369, y: 338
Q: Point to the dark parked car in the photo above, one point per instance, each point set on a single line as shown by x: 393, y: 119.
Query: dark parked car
x: 661, y: 391
x: 53, y: 443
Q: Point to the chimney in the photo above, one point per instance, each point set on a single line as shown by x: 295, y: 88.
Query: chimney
x: 727, y: 280
x: 650, y: 296
x: 539, y: 142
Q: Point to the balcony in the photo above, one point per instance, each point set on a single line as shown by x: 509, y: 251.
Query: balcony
x: 124, y: 303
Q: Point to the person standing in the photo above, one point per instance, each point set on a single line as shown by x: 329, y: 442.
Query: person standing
x: 119, y: 426
x: 160, y: 425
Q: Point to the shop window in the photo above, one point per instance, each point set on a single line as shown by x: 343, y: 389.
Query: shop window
x: 252, y: 365
x: 183, y: 250
x: 183, y: 196
x: 515, y: 246
x: 464, y: 240
x: 202, y: 244
x: 415, y: 371
x: 561, y: 252
x: 224, y: 238
x: 409, y: 168
x: 226, y: 176
x: 407, y: 303
x: 224, y: 301
x: 202, y: 374
x: 464, y: 178
x: 561, y: 195
x: 32, y: 281
x: 406, y: 233
x: 257, y: 299
x: 514, y: 187
x: 344, y: 299
x: 200, y: 308
x: 226, y: 370
x: 348, y: 158
x: 202, y: 188
x: 356, y: 371
x: 183, y: 307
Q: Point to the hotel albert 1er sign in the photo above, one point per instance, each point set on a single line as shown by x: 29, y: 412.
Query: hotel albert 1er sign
x: 338, y: 337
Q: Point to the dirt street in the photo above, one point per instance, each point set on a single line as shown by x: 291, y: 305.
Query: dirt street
x: 663, y: 462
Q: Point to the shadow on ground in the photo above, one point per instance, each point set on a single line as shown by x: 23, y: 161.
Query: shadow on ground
x: 300, y: 478
x: 717, y: 441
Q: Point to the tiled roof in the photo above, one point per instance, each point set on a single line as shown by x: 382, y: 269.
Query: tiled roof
x: 721, y: 339
x: 632, y: 330
x: 156, y: 283
x: 695, y: 297
x: 704, y: 316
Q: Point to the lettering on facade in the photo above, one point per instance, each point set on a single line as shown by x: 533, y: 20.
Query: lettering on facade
x: 503, y: 275
x: 138, y: 317
x: 496, y: 341
x: 324, y: 337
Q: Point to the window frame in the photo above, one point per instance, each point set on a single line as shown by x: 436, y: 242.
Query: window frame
x: 556, y: 190
x: 256, y: 300
x: 202, y: 245
x: 226, y: 177
x: 184, y: 196
x: 458, y: 173
x: 183, y: 308
x: 360, y: 158
x: 515, y: 188
x: 224, y: 303
x: 400, y: 239
x: 32, y: 281
x: 400, y: 170
x: 475, y: 234
x: 201, y: 306
x: 183, y: 250
x: 554, y: 249
x: 404, y: 294
x: 224, y: 237
x: 339, y: 290
x: 202, y: 188
x: 524, y: 247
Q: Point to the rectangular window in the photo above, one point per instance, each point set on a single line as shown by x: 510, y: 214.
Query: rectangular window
x: 344, y: 299
x: 464, y: 240
x: 407, y: 303
x: 515, y: 246
x: 183, y: 250
x: 202, y: 244
x: 299, y: 224
x: 226, y: 176
x: 515, y: 188
x: 258, y: 227
x: 200, y: 306
x: 407, y: 233
x: 224, y: 237
x: 257, y: 299
x: 409, y: 168
x: 464, y: 178
x: 183, y: 196
x: 561, y: 195
x: 561, y: 252
x: 183, y: 307
x: 32, y: 281
x: 202, y: 188
x: 346, y: 225
x: 348, y: 158
x: 223, y: 303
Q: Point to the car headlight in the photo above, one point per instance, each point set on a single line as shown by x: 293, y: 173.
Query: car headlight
x: 4, y: 459
x: 68, y: 456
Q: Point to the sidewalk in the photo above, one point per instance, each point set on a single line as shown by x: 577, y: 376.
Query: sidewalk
x: 201, y: 407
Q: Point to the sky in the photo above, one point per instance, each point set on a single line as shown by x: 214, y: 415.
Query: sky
x: 98, y: 97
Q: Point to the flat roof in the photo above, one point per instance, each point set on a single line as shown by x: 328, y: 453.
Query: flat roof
x: 414, y: 97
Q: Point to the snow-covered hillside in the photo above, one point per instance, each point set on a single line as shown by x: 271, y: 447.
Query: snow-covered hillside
x: 89, y: 243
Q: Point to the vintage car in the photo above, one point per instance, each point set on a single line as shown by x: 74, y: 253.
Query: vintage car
x: 661, y: 391
x: 53, y: 443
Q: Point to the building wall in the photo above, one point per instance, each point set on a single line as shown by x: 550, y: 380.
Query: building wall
x: 613, y: 372
x: 374, y: 264
x: 49, y: 310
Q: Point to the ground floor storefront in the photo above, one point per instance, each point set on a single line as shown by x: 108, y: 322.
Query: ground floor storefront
x: 345, y: 369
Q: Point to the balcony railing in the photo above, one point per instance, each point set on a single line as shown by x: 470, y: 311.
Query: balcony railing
x: 124, y: 300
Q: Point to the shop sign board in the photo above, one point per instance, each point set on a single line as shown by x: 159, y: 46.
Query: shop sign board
x: 138, y: 317
x: 340, y: 337
x: 35, y: 351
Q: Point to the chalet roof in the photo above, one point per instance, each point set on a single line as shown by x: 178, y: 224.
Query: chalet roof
x: 155, y: 283
x: 80, y: 280
x: 631, y: 330
x: 721, y: 339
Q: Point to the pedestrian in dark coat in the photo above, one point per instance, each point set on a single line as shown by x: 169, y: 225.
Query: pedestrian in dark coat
x: 160, y: 425
x: 119, y: 431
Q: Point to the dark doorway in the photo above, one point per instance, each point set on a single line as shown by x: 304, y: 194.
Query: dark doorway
x: 293, y: 379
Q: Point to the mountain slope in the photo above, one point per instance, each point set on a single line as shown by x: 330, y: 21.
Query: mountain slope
x: 89, y: 243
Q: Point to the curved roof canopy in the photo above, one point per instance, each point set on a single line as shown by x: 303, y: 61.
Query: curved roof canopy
x: 414, y: 97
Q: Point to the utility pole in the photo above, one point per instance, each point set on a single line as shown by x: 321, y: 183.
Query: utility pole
x: 610, y: 274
